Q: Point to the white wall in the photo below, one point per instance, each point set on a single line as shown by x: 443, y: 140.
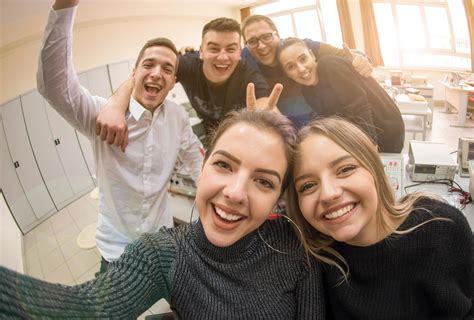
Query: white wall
x: 11, y: 240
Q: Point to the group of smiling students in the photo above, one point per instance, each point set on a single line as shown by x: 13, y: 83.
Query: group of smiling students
x: 346, y: 248
x: 364, y: 254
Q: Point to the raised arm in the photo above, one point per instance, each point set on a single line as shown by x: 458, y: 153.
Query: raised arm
x: 360, y: 63
x: 56, y: 78
x: 111, y: 124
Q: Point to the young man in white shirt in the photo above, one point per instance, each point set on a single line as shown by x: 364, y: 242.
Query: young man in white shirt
x: 133, y: 184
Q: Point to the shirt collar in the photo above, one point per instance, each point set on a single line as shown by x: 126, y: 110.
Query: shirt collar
x: 137, y: 110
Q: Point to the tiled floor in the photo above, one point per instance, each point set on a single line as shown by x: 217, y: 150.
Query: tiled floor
x: 52, y: 253
x: 443, y: 131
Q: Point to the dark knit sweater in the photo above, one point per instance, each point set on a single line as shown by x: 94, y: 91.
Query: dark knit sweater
x: 425, y: 274
x: 342, y: 91
x: 247, y: 280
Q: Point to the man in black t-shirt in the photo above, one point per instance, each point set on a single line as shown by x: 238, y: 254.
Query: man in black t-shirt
x: 215, y: 82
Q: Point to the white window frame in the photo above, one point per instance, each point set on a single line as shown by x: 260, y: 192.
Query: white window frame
x: 422, y: 4
x: 291, y: 12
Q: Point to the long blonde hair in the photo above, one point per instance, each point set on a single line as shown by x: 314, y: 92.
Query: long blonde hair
x: 349, y: 137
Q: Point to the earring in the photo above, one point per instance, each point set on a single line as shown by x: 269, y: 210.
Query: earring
x: 192, y: 212
x: 277, y: 216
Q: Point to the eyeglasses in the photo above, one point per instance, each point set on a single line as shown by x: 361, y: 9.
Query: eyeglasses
x: 265, y: 38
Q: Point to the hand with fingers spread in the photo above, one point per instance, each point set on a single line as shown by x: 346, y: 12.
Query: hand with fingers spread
x: 360, y: 63
x: 264, y: 103
x: 112, y: 127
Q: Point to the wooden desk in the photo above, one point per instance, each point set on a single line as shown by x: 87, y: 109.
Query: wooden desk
x: 457, y: 97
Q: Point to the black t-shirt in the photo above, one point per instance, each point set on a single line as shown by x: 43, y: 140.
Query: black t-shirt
x: 213, y: 102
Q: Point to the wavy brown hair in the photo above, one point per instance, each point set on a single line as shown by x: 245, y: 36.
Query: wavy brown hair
x: 349, y: 137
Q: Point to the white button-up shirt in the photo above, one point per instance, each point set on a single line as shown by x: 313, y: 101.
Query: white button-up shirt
x: 132, y: 185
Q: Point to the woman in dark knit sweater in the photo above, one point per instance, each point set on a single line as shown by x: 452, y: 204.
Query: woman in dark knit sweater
x: 332, y: 86
x: 233, y: 263
x: 385, y: 259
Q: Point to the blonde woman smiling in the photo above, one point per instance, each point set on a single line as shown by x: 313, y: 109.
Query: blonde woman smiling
x: 386, y: 259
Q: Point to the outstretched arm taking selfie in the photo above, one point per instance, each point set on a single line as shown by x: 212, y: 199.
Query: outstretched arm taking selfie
x: 129, y: 287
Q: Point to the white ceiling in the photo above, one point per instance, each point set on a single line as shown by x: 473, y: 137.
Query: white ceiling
x: 22, y: 18
x: 14, y: 10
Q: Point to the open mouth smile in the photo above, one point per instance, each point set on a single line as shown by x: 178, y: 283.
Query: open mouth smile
x: 226, y: 219
x: 339, y: 213
x: 221, y: 68
x: 152, y: 88
x: 306, y: 75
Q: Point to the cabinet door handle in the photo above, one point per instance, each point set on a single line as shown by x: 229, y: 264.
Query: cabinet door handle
x: 57, y: 141
x: 16, y: 164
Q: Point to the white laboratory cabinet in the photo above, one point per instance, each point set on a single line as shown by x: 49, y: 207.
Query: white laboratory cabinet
x: 44, y: 149
x: 12, y: 188
x: 70, y: 152
x: 24, y: 162
x: 43, y: 167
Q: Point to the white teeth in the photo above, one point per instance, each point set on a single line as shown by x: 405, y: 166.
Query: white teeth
x: 221, y: 66
x: 305, y: 76
x: 154, y: 86
x: 226, y: 216
x: 339, y: 213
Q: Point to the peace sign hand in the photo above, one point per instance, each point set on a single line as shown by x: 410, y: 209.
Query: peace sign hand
x: 264, y: 103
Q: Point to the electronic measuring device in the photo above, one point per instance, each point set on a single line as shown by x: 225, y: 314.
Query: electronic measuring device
x: 465, y: 153
x: 393, y: 167
x: 429, y: 161
x: 181, y: 181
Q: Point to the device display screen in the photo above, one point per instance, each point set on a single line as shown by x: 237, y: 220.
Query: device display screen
x: 470, y: 151
x: 429, y: 169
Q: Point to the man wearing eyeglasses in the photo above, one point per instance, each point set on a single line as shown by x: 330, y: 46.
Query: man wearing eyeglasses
x: 262, y: 40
